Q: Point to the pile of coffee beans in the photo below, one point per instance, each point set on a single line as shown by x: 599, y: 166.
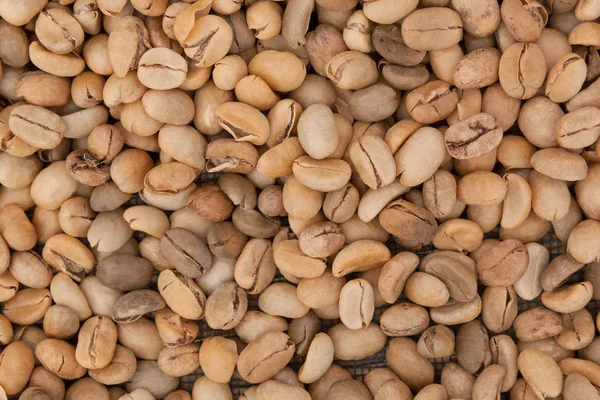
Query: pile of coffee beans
x: 461, y: 132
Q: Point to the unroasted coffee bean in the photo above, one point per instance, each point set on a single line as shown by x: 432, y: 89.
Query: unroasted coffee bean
x: 522, y: 69
x: 474, y: 136
x: 186, y: 252
x: 266, y: 356
x: 124, y: 272
x: 537, y: 323
x: 97, y: 342
x: 541, y: 372
x: 133, y: 305
x: 472, y: 347
x: 412, y: 368
x: 226, y: 306
x: 421, y: 26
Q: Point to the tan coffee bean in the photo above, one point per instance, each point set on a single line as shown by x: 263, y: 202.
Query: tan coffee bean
x: 351, y: 70
x: 16, y: 365
x: 348, y: 389
x: 459, y: 280
x: 541, y: 372
x: 126, y: 44
x: 59, y: 357
x: 568, y: 298
x: 37, y: 126
x: 578, y: 330
x: 499, y: 308
x: 522, y: 69
x: 472, y: 347
x: 558, y: 271
x: 570, y: 67
x: 577, y: 386
x: 504, y: 352
x: 356, y: 304
x: 58, y: 31
x: 504, y: 264
x: 96, y: 343
x: 434, y: 101
x: 18, y: 172
x: 132, y: 306
x: 356, y: 344
x: 481, y: 188
x: 162, y: 69
x: 480, y: 19
x: 436, y: 341
x: 265, y: 356
x: 30, y: 269
x: 175, y: 330
x: 473, y: 137
x: 227, y: 155
x: 581, y: 244
x: 426, y: 290
x: 530, y: 285
x: 550, y: 347
x: 489, y: 382
x: 409, y: 222
x: 317, y: 132
x: 517, y: 202
x: 477, y: 69
x: 373, y: 161
x: 361, y: 255
x: 585, y: 190
x: 254, y: 223
x: 339, y: 206
x: 218, y: 357
x: 394, y: 275
x: 457, y: 381
x: 318, y: 359
x: 321, y: 240
x: 320, y: 292
x: 404, y: 319
x: 524, y: 22
x: 586, y: 97
x: 412, y: 368
x: 537, y: 323
x: 179, y: 361
x: 323, y: 175
x: 515, y: 152
x: 16, y: 229
x: 27, y: 306
x: 204, y: 47
x: 420, y: 27
x: 255, y: 267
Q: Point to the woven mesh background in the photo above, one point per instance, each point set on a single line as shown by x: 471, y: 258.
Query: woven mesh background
x: 359, y: 368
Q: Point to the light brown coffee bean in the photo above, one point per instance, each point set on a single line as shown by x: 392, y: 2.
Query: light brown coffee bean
x: 522, y: 69
x: 541, y: 372
x: 404, y: 319
x: 97, y: 342
x: 265, y: 356
x: 412, y: 368
x: 420, y: 27
x: 568, y: 298
x: 504, y: 353
x: 499, y: 308
x: 16, y: 365
x: 537, y: 323
x: 361, y: 255
x: 59, y: 357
